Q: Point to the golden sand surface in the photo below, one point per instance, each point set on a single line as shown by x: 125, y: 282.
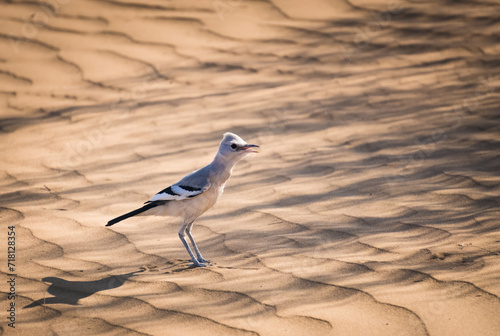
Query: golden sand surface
x: 373, y: 208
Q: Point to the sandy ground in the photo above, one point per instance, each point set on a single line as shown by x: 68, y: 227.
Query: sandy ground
x: 373, y: 208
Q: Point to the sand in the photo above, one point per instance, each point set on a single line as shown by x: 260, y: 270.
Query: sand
x: 373, y: 208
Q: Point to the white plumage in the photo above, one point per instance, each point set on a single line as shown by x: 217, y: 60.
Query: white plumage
x: 196, y: 192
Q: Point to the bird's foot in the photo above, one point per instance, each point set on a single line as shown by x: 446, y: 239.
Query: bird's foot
x: 197, y: 263
x: 203, y: 261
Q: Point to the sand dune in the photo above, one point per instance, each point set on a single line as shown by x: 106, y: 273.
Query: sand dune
x: 372, y: 210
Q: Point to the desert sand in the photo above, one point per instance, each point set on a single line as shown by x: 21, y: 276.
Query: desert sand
x: 373, y: 208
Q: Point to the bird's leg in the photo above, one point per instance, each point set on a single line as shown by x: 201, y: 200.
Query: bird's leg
x: 182, y: 233
x: 196, y: 249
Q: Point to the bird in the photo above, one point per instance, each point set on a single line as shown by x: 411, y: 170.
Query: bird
x: 197, y: 192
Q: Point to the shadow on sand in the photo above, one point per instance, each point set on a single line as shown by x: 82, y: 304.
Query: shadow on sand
x: 70, y: 292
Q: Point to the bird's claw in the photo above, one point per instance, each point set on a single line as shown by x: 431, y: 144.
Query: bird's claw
x: 203, y: 261
x: 200, y: 262
x: 197, y: 264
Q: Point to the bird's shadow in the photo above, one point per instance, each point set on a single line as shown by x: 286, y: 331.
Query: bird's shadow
x: 70, y: 292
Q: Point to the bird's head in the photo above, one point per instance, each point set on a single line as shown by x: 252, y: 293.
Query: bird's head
x: 234, y: 148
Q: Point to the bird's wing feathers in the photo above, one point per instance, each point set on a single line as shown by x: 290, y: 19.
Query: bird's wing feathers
x: 190, y: 186
x: 178, y: 192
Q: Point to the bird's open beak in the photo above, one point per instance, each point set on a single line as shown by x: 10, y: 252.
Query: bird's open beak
x: 250, y: 148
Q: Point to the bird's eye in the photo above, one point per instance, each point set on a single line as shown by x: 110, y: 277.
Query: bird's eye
x: 234, y: 146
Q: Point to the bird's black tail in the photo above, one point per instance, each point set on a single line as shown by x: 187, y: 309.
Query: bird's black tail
x: 149, y: 205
